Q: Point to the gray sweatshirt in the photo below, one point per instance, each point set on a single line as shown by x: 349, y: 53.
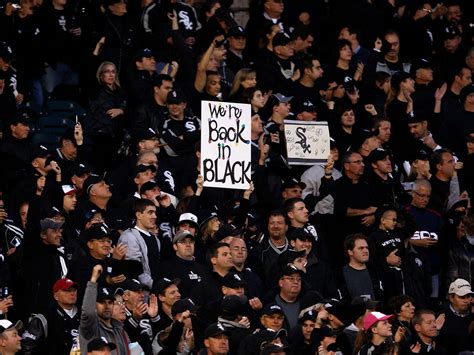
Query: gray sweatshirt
x: 91, y: 326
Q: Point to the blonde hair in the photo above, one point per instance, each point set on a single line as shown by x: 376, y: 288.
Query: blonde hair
x: 242, y: 75
x: 100, y: 71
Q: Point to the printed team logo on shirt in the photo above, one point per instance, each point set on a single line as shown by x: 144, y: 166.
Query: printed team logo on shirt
x: 185, y: 20
x: 425, y: 235
x: 190, y: 127
x: 193, y: 276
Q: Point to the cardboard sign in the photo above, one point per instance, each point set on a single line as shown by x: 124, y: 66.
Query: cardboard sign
x: 225, y: 144
x: 307, y: 143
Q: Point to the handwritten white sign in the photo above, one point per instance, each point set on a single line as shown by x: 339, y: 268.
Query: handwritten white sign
x: 307, y: 143
x: 225, y: 144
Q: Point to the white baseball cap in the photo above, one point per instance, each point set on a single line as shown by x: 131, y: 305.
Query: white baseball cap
x: 460, y: 287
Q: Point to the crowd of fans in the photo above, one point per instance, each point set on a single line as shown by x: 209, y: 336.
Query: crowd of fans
x: 110, y: 242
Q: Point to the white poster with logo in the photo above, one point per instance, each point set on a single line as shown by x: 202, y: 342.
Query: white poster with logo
x: 307, y: 143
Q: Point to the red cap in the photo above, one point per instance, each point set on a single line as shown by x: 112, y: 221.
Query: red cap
x: 64, y: 284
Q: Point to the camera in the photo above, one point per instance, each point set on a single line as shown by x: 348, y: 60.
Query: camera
x: 4, y: 292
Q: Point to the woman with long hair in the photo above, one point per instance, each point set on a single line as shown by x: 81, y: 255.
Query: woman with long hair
x: 244, y: 79
x: 461, y: 249
x: 255, y: 98
x: 377, y: 338
x: 208, y: 227
x: 343, y: 128
x: 107, y: 121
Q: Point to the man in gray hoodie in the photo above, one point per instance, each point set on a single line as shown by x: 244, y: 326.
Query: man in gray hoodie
x: 96, y: 318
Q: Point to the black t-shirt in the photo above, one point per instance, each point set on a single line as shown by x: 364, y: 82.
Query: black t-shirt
x: 358, y: 282
x: 302, y: 96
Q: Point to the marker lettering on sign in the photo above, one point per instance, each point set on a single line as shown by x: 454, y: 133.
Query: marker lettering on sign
x: 234, y: 173
x: 229, y: 111
x: 225, y: 134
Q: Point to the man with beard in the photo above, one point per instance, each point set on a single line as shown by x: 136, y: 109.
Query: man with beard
x: 272, y: 246
x: 390, y: 62
x: 96, y: 319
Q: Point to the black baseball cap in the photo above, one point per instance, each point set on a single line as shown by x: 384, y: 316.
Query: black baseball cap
x: 142, y: 53
x: 105, y: 293
x: 235, y: 305
x: 450, y: 31
x: 290, y: 270
x: 308, y: 315
x: 227, y: 230
x: 421, y: 63
x: 289, y: 183
x: 176, y: 97
x: 133, y: 285
x: 6, y: 53
x: 96, y: 231
x: 145, y: 134
x: 98, y: 344
x: 91, y: 180
x: 162, y: 284
x: 183, y: 305
x: 141, y: 168
x: 39, y: 151
x: 281, y: 39
x: 205, y: 215
x: 416, y: 116
x: 80, y: 169
x: 378, y: 154
x: 214, y: 330
x: 272, y: 308
x: 233, y: 280
x: 237, y: 31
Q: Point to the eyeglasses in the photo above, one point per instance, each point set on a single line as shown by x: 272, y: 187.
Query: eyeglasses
x: 119, y: 303
x: 356, y: 162
x: 293, y: 278
x: 421, y: 195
